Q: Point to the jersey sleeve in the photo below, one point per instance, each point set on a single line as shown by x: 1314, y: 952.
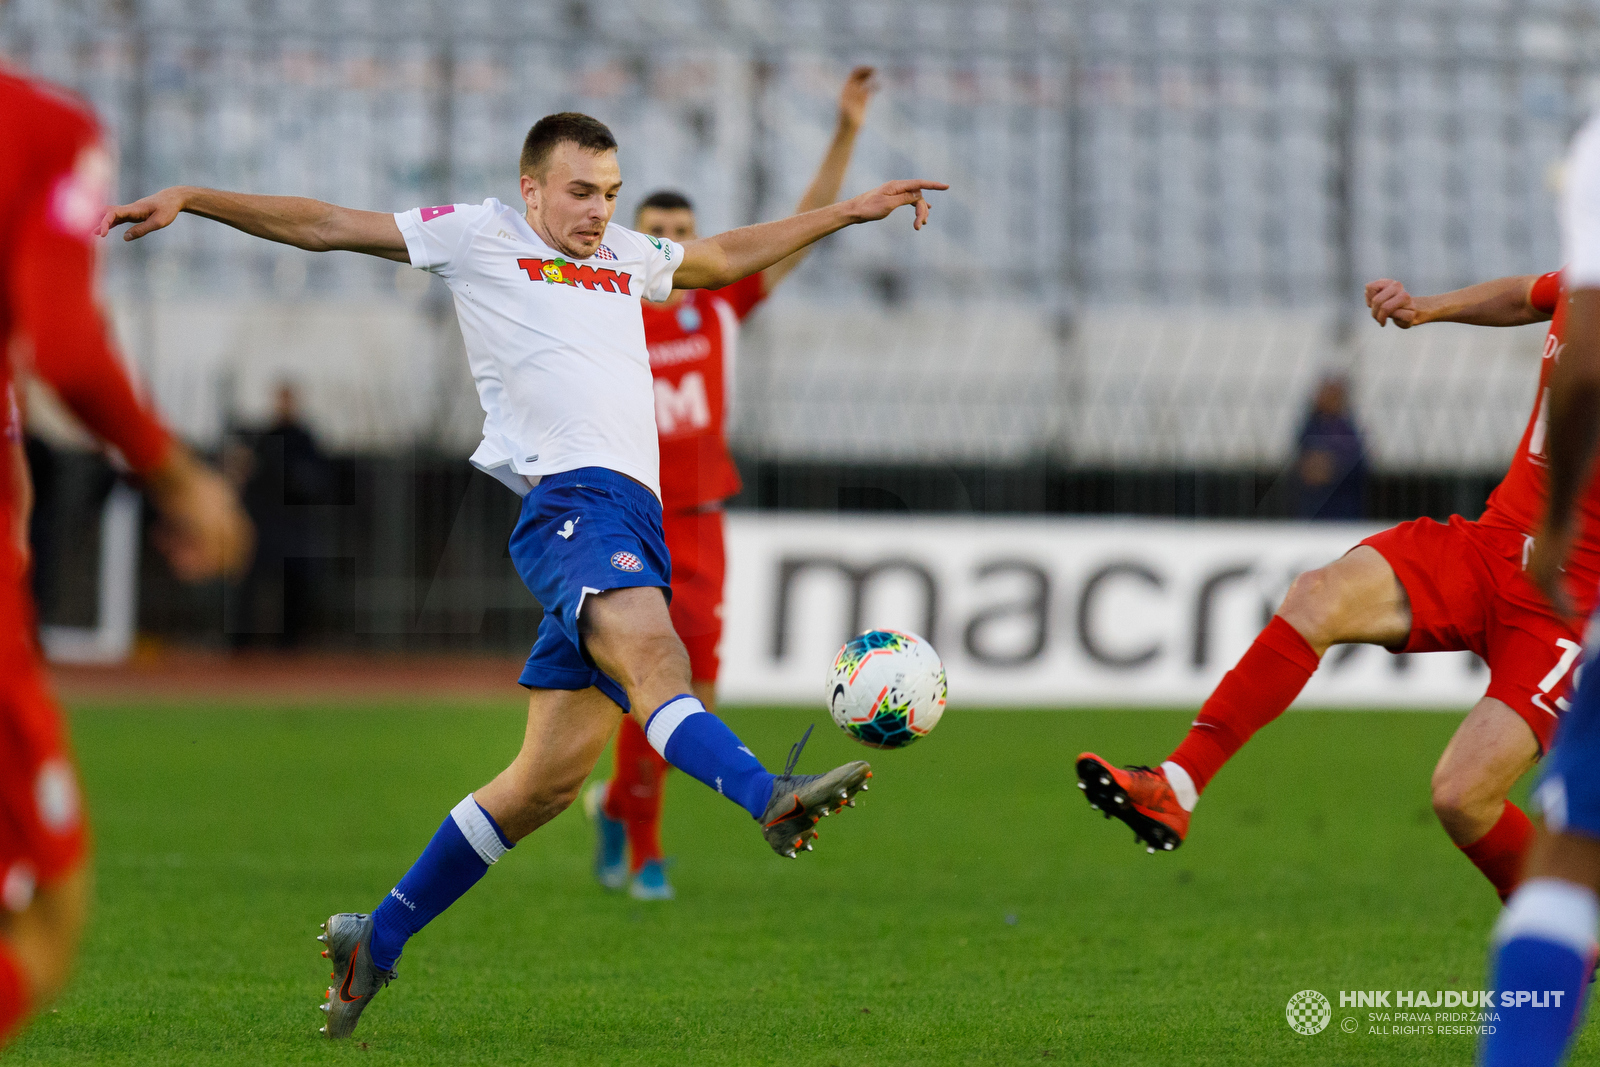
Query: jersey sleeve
x: 1580, y: 209
x: 1546, y: 292
x: 662, y: 257
x: 52, y: 279
x: 743, y: 295
x: 436, y: 236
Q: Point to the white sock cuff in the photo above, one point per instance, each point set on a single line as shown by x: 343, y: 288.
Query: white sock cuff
x: 478, y: 830
x: 666, y: 719
x: 1550, y: 909
x: 1182, y: 785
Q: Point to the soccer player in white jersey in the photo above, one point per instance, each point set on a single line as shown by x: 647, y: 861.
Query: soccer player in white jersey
x: 548, y: 301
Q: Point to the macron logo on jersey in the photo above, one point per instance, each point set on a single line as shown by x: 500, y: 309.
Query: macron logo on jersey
x: 431, y: 213
x: 561, y: 272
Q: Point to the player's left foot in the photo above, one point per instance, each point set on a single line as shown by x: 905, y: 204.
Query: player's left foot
x: 349, y: 941
x: 651, y: 883
x: 611, y: 839
x: 800, y: 801
x: 1139, y: 796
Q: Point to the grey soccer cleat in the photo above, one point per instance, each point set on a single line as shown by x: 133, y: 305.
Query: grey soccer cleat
x: 349, y: 941
x: 799, y: 801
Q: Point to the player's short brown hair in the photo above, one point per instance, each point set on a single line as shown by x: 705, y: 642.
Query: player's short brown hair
x: 589, y: 134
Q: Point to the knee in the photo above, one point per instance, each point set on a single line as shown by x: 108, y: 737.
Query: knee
x: 1313, y: 605
x: 1460, y: 799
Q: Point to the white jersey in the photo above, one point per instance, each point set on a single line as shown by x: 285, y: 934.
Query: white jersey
x: 1580, y: 210
x: 556, y: 346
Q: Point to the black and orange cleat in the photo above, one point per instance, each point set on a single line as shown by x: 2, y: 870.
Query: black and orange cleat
x: 799, y: 801
x: 1139, y: 796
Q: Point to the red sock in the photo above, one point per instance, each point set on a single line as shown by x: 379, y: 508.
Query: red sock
x: 13, y: 995
x: 1259, y: 689
x: 1500, y: 852
x: 634, y: 796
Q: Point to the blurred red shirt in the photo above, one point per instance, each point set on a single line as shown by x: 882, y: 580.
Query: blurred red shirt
x: 55, y: 177
x: 693, y: 346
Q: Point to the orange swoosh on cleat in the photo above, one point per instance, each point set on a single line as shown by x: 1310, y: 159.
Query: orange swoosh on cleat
x: 798, y: 809
x: 344, y: 990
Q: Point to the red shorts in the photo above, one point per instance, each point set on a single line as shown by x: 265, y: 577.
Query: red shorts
x: 42, y: 833
x: 699, y: 561
x: 1468, y: 592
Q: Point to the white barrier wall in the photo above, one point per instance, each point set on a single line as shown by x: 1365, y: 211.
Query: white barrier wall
x: 1047, y: 612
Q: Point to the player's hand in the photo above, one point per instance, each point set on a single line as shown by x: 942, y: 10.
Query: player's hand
x: 148, y: 214
x: 1550, y: 551
x: 870, y: 207
x: 859, y: 89
x: 1389, y: 301
x: 203, y: 531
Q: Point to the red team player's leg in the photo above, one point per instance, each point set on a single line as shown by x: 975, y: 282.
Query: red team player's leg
x: 633, y: 796
x: 1361, y: 598
x: 43, y: 879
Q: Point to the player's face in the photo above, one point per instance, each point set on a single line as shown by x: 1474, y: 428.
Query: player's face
x: 675, y: 223
x: 571, y: 204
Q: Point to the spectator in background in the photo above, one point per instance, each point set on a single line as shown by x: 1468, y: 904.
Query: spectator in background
x: 1330, y: 468
x: 280, y: 470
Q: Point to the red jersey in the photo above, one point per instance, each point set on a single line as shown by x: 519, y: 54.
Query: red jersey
x: 1518, y: 502
x: 693, y: 345
x: 55, y: 174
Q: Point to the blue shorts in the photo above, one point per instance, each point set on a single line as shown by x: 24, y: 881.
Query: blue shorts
x: 1569, y: 785
x: 581, y: 532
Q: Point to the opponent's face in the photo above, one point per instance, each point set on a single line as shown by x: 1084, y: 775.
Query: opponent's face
x: 675, y: 223
x: 572, y: 201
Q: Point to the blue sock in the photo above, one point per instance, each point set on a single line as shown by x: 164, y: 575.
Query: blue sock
x: 1544, y: 949
x: 461, y: 851
x: 698, y: 743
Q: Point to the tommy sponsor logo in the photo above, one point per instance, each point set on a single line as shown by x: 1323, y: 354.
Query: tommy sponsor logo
x: 627, y: 561
x: 562, y: 272
x: 431, y: 213
x: 401, y: 898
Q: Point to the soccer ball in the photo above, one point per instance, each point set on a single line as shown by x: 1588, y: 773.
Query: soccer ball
x: 887, y: 688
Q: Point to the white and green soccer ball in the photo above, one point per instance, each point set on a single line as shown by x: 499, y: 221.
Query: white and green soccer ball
x: 887, y: 688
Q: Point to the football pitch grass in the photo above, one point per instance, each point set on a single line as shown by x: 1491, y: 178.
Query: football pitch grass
x: 970, y: 911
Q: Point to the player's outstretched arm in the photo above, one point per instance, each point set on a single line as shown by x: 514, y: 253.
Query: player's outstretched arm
x: 713, y: 262
x: 291, y: 220
x: 859, y: 88
x: 1502, y: 302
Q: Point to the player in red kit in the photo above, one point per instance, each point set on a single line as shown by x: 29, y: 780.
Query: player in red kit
x: 1421, y: 586
x: 693, y: 340
x: 54, y: 177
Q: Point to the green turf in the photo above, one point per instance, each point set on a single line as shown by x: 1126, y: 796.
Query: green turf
x: 971, y: 911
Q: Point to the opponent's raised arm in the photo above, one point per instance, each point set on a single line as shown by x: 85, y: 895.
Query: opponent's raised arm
x: 859, y: 89
x: 1502, y: 302
x: 292, y: 220
x: 712, y: 262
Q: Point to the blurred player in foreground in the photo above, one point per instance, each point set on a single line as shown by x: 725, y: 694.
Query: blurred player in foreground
x: 54, y: 175
x: 1544, y: 943
x: 1421, y: 586
x: 548, y: 302
x: 692, y: 337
